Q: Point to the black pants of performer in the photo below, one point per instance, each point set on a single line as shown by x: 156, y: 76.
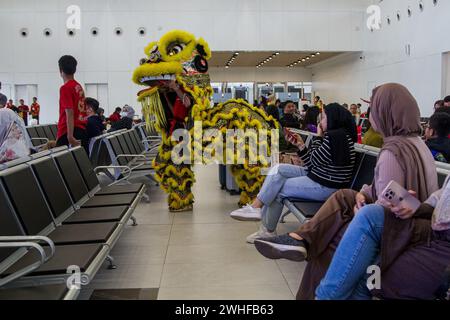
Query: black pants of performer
x: 79, y: 134
x: 36, y: 118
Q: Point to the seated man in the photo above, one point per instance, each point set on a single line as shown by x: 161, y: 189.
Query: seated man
x: 437, y: 136
x: 126, y: 120
x: 289, y: 119
x: 115, y: 116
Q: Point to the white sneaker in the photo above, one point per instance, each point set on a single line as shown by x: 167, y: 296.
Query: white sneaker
x: 262, y: 233
x: 247, y: 213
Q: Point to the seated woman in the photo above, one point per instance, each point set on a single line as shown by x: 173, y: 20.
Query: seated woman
x: 404, y: 158
x: 371, y: 137
x: 329, y: 166
x: 14, y: 140
x: 94, y: 125
x: 310, y: 121
x: 416, y: 266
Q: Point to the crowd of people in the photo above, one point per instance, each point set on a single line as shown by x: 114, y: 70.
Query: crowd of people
x: 24, y: 111
x: 80, y: 118
x: 355, y: 230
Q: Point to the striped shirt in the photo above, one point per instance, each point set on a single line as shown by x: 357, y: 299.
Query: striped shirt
x: 321, y: 167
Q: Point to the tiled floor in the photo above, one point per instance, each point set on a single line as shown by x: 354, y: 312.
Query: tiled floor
x: 199, y: 255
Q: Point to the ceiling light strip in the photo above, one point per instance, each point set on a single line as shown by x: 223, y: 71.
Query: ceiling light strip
x: 303, y: 59
x: 268, y: 59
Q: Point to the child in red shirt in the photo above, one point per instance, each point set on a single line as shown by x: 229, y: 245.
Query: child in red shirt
x: 23, y: 111
x: 72, y: 109
x: 35, y: 110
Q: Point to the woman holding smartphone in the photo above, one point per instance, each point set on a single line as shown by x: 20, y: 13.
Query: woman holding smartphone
x: 329, y: 166
x: 404, y: 159
x: 416, y: 266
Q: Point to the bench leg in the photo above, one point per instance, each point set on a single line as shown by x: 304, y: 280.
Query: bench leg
x: 284, y: 215
x: 134, y: 220
x: 146, y: 197
x: 111, y: 265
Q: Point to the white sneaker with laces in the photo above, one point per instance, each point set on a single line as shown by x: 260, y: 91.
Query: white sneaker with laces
x: 262, y: 233
x: 247, y: 213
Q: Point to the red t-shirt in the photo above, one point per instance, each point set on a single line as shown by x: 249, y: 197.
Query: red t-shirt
x: 114, y: 117
x: 23, y: 111
x: 35, y: 109
x: 71, y: 96
x: 180, y: 112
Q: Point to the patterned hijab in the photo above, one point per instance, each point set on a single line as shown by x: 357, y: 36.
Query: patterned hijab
x: 441, y: 215
x: 14, y: 140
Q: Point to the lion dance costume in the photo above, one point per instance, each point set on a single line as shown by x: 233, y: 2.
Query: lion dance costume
x: 178, y: 94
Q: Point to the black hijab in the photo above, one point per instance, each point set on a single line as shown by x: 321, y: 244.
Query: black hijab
x: 341, y: 125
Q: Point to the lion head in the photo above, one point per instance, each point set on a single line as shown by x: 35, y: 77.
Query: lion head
x: 177, y: 56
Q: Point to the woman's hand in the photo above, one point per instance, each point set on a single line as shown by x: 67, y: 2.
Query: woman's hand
x: 401, y: 211
x: 360, y: 200
x: 296, y: 140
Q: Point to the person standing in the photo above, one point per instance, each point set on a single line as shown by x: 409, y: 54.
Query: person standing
x: 72, y: 109
x: 23, y: 111
x: 35, y: 110
x: 3, y: 98
x: 10, y: 105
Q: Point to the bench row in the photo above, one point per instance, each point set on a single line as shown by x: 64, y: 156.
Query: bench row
x: 53, y: 215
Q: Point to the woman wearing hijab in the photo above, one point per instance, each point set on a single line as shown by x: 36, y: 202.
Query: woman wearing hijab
x: 418, y: 268
x: 404, y: 158
x: 126, y: 120
x: 14, y: 140
x: 329, y: 165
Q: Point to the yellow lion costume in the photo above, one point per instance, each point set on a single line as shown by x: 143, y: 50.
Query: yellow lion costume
x: 178, y: 96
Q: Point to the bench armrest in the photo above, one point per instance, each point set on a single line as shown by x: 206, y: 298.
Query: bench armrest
x: 25, y: 242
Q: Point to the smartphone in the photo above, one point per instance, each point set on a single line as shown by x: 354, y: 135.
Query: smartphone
x: 290, y: 137
x: 397, y: 195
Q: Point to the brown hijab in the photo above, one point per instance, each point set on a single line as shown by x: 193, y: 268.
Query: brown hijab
x: 396, y: 115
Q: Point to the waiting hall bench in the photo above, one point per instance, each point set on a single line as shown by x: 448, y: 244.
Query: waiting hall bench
x: 53, y: 214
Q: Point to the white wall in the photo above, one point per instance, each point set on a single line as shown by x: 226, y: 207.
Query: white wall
x: 298, y: 25
x: 269, y: 74
x: 347, y: 78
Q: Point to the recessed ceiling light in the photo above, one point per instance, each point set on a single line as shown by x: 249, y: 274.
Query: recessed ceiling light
x: 307, y: 58
x: 313, y: 55
x: 318, y: 53
x: 277, y: 53
x: 226, y: 67
x: 303, y: 60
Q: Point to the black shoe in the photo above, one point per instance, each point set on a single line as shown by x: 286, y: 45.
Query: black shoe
x: 282, y: 247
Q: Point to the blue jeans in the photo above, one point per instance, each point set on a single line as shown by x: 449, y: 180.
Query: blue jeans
x: 359, y: 248
x: 287, y: 181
